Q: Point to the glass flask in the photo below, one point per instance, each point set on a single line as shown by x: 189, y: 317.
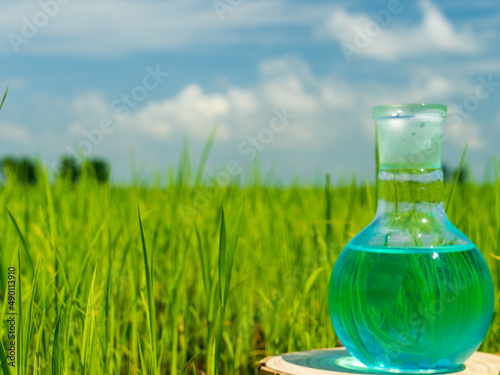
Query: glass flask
x: 410, y: 292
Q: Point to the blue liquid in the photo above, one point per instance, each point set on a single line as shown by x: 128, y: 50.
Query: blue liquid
x: 426, y: 310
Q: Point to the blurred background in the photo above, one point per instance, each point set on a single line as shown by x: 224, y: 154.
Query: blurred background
x: 290, y: 84
x: 213, y: 277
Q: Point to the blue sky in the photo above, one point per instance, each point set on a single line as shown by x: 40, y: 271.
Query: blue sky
x: 123, y: 76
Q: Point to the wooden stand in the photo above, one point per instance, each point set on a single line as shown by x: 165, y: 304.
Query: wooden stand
x: 338, y: 362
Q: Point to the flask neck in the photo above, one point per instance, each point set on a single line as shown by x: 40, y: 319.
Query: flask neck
x: 410, y: 190
x: 410, y: 212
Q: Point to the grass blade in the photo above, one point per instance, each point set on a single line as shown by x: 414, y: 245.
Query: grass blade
x: 37, y: 346
x: 3, y: 359
x: 204, y: 156
x: 222, y: 259
x: 56, y: 350
x: 4, y: 97
x: 457, y: 176
x: 23, y: 240
x: 226, y: 261
x: 222, y: 294
x: 231, y: 253
x: 188, y: 363
x: 350, y: 211
x: 328, y: 211
x: 141, y: 355
x: 205, y: 266
x: 28, y: 328
x: 151, y: 301
x: 218, y: 341
x: 88, y: 325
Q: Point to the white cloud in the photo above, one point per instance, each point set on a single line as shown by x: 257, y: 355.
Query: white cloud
x: 283, y: 83
x: 116, y: 27
x: 333, y: 116
x: 90, y: 103
x: 328, y: 107
x: 190, y: 112
x: 483, y: 66
x: 13, y: 132
x: 290, y: 80
x: 388, y: 39
x: 467, y: 133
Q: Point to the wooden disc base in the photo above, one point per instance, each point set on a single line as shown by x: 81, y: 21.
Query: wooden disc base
x: 339, y: 362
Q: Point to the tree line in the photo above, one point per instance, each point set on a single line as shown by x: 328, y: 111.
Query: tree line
x: 24, y: 169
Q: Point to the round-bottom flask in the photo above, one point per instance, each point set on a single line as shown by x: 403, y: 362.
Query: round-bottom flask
x: 411, y: 293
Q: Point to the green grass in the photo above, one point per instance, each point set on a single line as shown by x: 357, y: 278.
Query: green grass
x: 198, y: 279
x: 106, y: 292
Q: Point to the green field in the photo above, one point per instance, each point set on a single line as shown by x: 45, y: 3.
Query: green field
x: 97, y: 300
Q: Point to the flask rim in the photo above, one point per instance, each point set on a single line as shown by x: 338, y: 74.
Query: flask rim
x: 409, y: 110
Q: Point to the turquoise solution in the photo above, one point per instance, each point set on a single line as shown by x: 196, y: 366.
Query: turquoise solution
x: 408, y: 309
